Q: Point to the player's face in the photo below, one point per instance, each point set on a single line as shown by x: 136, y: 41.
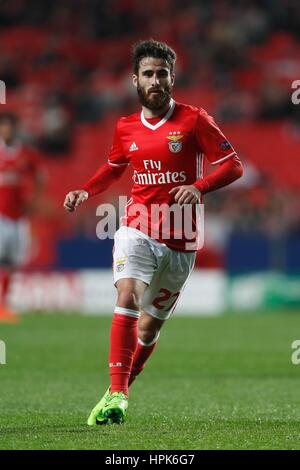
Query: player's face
x: 7, y: 130
x: 154, y: 83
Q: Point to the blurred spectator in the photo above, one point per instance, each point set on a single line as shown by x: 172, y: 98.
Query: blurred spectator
x: 56, y: 127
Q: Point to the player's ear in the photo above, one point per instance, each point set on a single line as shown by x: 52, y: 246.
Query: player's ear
x: 172, y: 78
x: 135, y: 80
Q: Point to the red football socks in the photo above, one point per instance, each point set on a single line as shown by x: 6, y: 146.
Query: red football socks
x: 123, y: 344
x: 4, y: 285
x: 143, y: 352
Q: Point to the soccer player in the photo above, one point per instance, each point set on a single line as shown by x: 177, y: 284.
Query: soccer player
x: 17, y: 164
x: 166, y: 144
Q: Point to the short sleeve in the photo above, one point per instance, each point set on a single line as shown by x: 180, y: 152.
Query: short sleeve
x: 116, y: 157
x: 211, y: 140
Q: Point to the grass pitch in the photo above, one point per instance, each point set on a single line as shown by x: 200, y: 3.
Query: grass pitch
x: 212, y: 383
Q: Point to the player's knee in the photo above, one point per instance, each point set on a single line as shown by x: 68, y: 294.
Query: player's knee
x: 128, y: 299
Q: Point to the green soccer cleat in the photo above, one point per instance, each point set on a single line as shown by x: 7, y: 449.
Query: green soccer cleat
x: 96, y: 413
x: 114, y: 410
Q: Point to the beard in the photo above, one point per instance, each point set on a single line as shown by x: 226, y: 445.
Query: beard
x: 153, y: 101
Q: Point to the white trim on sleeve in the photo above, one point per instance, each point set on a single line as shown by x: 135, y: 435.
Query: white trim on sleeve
x: 222, y: 159
x: 117, y: 164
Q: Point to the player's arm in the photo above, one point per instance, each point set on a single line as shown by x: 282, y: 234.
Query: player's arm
x: 102, y: 180
x: 218, y: 151
x: 227, y: 172
x: 107, y: 174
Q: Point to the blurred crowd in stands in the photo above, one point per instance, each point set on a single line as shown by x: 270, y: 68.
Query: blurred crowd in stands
x: 66, y: 65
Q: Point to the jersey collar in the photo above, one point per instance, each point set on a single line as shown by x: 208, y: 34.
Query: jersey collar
x: 162, y: 121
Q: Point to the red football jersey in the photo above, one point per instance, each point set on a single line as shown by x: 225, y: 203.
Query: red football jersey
x: 165, y: 152
x: 16, y: 164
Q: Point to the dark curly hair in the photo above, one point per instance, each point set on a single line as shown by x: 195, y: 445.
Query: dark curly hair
x: 152, y: 48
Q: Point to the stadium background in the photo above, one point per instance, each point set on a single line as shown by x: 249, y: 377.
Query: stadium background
x: 66, y: 66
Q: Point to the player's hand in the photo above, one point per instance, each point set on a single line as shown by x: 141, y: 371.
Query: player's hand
x: 74, y: 199
x: 186, y: 194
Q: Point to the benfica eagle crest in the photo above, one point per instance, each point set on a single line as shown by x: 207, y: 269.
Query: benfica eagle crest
x: 175, y: 145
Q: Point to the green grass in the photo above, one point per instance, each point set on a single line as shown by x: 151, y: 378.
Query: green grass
x: 212, y: 383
